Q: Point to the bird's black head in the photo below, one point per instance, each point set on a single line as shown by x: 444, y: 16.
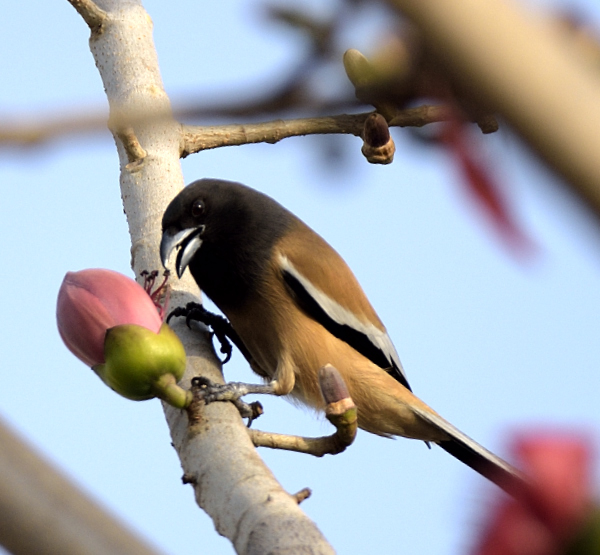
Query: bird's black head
x: 225, y: 233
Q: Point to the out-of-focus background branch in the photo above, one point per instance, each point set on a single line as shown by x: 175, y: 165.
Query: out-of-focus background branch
x: 493, y: 341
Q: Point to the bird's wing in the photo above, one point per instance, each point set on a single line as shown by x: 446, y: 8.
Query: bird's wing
x: 325, y: 288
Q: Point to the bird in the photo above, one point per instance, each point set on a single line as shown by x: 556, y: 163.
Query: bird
x: 296, y: 306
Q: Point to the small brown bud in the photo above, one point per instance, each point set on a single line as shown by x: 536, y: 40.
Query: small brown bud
x: 487, y: 124
x: 376, y: 132
x: 378, y: 147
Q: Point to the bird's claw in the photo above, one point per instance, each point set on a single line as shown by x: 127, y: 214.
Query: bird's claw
x: 211, y: 392
x: 175, y: 313
x: 251, y: 411
x: 226, y: 347
x: 221, y: 328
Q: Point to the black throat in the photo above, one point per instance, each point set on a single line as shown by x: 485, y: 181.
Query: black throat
x: 237, y: 247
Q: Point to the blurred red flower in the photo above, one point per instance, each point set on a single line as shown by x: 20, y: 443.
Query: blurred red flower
x: 550, y: 509
x: 481, y: 185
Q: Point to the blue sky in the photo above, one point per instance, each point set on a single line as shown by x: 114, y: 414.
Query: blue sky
x: 496, y: 345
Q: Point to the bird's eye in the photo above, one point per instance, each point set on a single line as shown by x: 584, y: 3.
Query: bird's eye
x: 197, y: 208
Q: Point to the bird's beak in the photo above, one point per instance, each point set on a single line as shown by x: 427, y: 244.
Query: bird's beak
x: 187, y: 241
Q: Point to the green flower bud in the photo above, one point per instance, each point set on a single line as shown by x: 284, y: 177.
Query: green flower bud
x: 141, y: 364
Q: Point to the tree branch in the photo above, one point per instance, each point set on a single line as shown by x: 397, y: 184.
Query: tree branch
x: 230, y: 480
x: 43, y: 512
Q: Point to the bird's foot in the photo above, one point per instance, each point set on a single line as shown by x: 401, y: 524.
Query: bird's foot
x: 210, y: 392
x: 221, y: 328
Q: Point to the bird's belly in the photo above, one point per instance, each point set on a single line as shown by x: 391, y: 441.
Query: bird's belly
x: 383, y: 403
x: 284, y: 340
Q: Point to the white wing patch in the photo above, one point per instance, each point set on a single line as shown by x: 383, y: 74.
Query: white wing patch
x: 345, y: 317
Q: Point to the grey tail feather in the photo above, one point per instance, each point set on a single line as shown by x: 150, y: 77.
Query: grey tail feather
x: 475, y: 456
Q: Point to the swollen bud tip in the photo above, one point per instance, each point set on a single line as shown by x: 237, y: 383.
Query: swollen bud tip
x: 358, y: 68
x: 340, y: 409
x: 332, y: 385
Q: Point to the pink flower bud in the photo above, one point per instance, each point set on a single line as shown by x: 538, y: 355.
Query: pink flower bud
x: 90, y: 302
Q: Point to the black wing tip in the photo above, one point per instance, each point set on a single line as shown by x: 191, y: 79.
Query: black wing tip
x: 492, y: 467
x: 399, y: 376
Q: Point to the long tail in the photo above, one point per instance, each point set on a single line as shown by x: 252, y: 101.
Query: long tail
x: 474, y: 455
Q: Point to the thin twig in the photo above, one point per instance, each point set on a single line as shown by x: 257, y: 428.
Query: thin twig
x: 317, y: 446
x: 91, y: 13
x: 133, y: 148
x: 302, y: 495
x: 197, y: 138
x: 339, y: 410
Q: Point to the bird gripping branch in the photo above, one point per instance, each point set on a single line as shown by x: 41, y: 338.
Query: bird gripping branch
x: 297, y: 306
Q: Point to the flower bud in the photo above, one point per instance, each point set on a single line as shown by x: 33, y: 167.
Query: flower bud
x: 111, y: 323
x: 141, y: 364
x: 93, y: 301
